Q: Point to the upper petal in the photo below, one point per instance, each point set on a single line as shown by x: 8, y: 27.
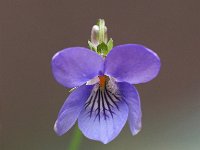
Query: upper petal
x: 74, y: 66
x: 71, y: 109
x: 103, y: 117
x: 132, y: 63
x: 130, y: 94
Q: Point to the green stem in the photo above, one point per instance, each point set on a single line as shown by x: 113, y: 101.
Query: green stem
x: 76, y: 139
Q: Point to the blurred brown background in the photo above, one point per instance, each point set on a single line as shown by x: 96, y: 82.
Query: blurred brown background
x: 33, y: 30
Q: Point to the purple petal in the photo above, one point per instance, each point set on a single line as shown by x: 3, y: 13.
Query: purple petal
x: 130, y: 94
x: 74, y: 66
x: 132, y: 63
x: 107, y: 124
x: 71, y: 109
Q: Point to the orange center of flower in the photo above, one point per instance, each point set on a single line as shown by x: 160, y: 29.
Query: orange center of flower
x: 102, y: 81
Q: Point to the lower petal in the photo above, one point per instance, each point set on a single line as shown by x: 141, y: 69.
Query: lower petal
x: 130, y: 94
x: 71, y: 109
x: 104, y: 118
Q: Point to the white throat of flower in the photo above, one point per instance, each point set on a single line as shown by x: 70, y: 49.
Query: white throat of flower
x: 110, y: 84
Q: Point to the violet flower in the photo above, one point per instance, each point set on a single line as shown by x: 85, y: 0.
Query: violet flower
x: 104, y: 98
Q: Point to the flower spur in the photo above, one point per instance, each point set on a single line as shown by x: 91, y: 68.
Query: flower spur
x: 104, y: 97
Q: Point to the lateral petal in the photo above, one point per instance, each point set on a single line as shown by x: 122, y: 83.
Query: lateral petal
x: 71, y: 109
x: 130, y: 94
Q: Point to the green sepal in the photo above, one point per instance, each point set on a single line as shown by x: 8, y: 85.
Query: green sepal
x: 91, y: 46
x: 110, y: 44
x: 102, y: 49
